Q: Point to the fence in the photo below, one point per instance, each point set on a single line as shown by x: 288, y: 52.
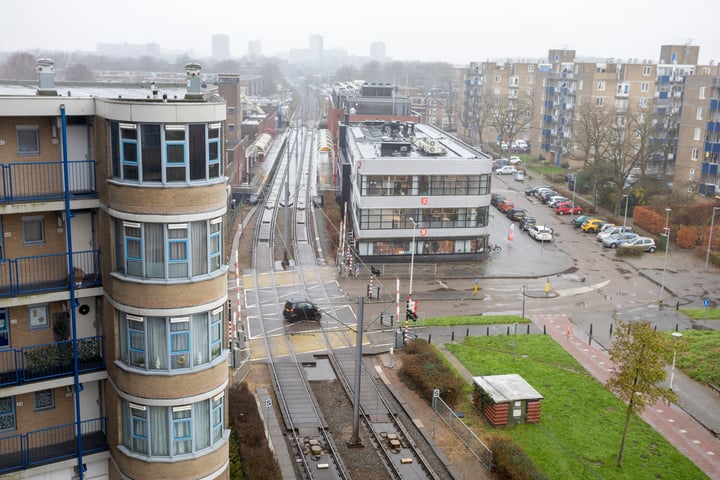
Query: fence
x: 476, y: 446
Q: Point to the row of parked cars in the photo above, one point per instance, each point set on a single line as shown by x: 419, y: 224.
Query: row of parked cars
x: 607, y: 233
x: 526, y: 222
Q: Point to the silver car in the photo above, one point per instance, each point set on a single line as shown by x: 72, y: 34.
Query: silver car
x: 642, y: 243
x: 614, y: 241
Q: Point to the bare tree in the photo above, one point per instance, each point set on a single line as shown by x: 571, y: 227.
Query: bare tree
x: 510, y: 116
x: 640, y: 355
x: 592, y: 141
x: 448, y: 99
x: 20, y: 66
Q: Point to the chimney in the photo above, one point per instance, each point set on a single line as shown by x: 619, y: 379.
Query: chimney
x: 45, y: 68
x: 194, y: 89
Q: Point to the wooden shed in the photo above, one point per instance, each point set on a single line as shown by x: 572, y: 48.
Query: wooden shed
x: 506, y: 399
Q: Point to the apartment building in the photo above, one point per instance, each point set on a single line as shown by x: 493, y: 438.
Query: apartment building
x: 113, y: 283
x: 411, y: 189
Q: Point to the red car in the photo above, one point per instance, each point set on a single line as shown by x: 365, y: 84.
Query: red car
x: 505, y: 205
x: 567, y: 209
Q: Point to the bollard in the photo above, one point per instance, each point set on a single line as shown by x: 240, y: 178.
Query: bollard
x: 467, y: 332
x: 487, y: 331
x: 508, y: 330
x: 452, y: 336
x: 655, y: 328
x: 528, y: 329
x: 429, y: 337
x: 591, y: 329
x: 544, y: 330
x: 611, y: 325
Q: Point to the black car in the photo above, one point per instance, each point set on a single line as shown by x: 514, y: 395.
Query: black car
x: 516, y: 214
x: 530, y: 192
x: 496, y: 198
x: 300, y: 309
x: 527, y: 222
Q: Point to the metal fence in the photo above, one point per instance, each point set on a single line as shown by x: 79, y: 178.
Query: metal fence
x: 33, y: 181
x: 476, y: 446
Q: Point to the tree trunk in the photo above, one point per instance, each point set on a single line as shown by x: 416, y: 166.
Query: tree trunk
x: 628, y: 416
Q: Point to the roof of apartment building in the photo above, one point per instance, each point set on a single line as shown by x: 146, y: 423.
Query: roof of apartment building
x: 407, y: 139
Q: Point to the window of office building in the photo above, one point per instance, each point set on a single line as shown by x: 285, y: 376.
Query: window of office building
x: 168, y: 251
x: 401, y: 218
x: 165, y: 153
x: 170, y: 343
x: 173, y: 431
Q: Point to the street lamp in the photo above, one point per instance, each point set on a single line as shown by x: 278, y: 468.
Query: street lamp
x: 524, y: 293
x: 712, y: 223
x: 627, y: 198
x: 412, y: 255
x: 677, y: 336
x: 667, y: 246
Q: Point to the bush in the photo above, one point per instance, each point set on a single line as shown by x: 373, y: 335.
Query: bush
x: 510, y: 462
x: 628, y: 252
x: 423, y: 370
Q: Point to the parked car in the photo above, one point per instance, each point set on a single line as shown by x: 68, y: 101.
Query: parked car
x: 614, y: 241
x: 567, y: 208
x: 519, y: 176
x: 578, y: 221
x: 592, y: 225
x: 547, y: 195
x: 531, y: 191
x: 496, y: 198
x: 505, y: 205
x: 300, y: 309
x: 553, y: 201
x: 642, y: 243
x: 541, y: 233
x: 515, y: 160
x: 611, y: 230
x: 527, y: 222
x: 506, y: 170
x: 519, y: 146
x: 516, y: 214
x: 499, y: 162
x: 541, y: 191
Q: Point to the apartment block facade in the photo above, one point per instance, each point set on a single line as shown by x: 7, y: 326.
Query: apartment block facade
x: 113, y: 284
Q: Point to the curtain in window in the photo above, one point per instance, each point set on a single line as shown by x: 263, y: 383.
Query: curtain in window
x: 154, y: 251
x: 119, y: 246
x: 159, y: 431
x: 182, y: 430
x: 157, y: 343
x: 199, y: 248
x: 198, y: 152
x: 178, y: 249
x: 151, y: 153
x: 200, y: 342
x: 126, y: 425
x: 201, y: 415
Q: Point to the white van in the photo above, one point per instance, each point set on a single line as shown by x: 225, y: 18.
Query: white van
x: 519, y: 146
x: 519, y: 176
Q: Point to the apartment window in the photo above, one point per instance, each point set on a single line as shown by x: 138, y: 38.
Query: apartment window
x: 599, y: 101
x: 701, y: 95
x: 694, y: 154
x: 171, y: 153
x: 645, y: 87
x: 44, y: 399
x: 531, y: 68
x: 647, y: 70
x: 580, y: 84
x: 170, y: 343
x: 28, y: 140
x: 170, y: 431
x: 498, y: 79
x: 697, y: 134
x: 496, y: 91
x: 691, y: 175
x: 530, y: 79
x: 7, y: 414
x: 33, y: 230
x: 172, y: 251
x: 699, y: 113
x: 601, y: 85
x: 643, y: 102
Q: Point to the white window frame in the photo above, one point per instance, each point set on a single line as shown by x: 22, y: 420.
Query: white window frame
x: 701, y: 93
x: 699, y: 113
x: 645, y: 87
x: 694, y: 154
x: 697, y: 134
x: 647, y: 70
x: 601, y: 85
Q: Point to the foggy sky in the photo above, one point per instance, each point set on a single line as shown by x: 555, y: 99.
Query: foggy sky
x: 454, y: 31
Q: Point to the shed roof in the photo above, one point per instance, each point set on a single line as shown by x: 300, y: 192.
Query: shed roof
x: 507, y: 388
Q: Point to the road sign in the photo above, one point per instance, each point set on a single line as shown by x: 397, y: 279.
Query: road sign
x: 706, y: 302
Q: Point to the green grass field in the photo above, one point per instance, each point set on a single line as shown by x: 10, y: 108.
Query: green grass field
x: 580, y: 429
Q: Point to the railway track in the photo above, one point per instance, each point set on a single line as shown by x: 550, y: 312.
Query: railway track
x: 299, y: 274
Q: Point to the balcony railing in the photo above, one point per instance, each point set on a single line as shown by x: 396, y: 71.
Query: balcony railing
x: 39, y: 181
x: 48, y: 273
x: 52, y: 444
x: 41, y: 362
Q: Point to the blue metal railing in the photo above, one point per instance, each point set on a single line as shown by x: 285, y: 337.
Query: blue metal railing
x: 36, y: 181
x: 48, y: 273
x: 41, y: 362
x: 52, y: 444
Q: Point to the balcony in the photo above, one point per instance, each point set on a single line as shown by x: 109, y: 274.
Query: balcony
x: 41, y: 362
x: 48, y: 273
x: 48, y: 445
x: 42, y: 181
